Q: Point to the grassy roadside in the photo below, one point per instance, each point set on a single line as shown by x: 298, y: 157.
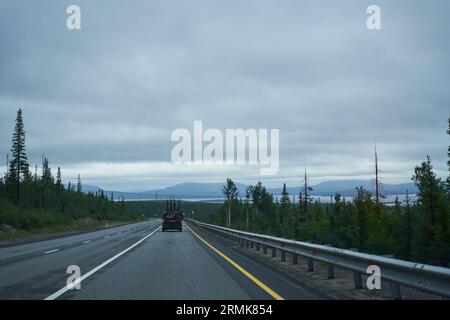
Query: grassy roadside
x: 77, y: 226
x: 19, y: 221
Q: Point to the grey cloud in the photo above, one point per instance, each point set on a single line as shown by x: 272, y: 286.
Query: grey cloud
x: 114, y: 91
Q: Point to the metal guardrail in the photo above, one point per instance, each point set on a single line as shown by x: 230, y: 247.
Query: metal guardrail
x: 427, y: 278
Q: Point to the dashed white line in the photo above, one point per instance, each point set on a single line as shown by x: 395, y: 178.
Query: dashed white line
x: 51, y: 251
x: 87, y: 241
x: 87, y: 275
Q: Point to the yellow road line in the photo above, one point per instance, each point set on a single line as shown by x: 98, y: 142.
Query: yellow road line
x: 275, y: 295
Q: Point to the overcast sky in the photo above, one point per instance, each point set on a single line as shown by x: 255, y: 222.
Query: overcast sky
x: 104, y: 100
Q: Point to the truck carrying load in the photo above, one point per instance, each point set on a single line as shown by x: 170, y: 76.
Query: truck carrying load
x: 173, y: 216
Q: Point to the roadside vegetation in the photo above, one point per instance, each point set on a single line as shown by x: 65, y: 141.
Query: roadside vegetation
x: 40, y: 202
x: 417, y: 231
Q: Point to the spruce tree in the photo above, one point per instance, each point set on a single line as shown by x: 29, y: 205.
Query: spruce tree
x: 433, y: 244
x: 79, y: 184
x: 363, y: 204
x: 407, y: 227
x: 306, y: 198
x: 47, y: 177
x: 247, y: 214
x: 59, y: 185
x: 47, y: 180
x: 285, y: 196
x: 36, y: 177
x: 429, y: 189
x: 18, y: 166
x: 285, y: 203
x: 448, y: 162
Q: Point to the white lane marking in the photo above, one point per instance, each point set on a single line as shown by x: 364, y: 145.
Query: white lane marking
x: 87, y: 241
x: 90, y: 273
x: 106, y: 236
x: 51, y: 251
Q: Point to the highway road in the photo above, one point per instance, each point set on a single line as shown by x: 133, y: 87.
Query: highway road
x: 138, y: 261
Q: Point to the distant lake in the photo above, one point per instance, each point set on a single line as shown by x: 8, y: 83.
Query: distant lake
x: 388, y: 200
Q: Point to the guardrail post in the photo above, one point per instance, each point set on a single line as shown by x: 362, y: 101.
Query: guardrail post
x: 330, y: 271
x: 274, y: 252
x: 283, y: 254
x: 330, y: 267
x: 247, y: 243
x: 356, y: 275
x: 310, y: 265
x: 252, y: 244
x: 257, y: 247
x: 294, y: 258
x: 357, y: 280
x: 264, y: 249
x: 395, y: 290
x: 310, y: 261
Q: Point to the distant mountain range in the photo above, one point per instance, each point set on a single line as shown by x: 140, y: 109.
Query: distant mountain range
x: 213, y: 190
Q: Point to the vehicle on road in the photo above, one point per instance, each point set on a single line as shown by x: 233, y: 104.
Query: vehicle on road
x: 173, y: 216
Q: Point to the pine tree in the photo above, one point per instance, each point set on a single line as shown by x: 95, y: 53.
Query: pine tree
x: 377, y: 180
x: 36, y: 177
x: 2, y: 186
x: 231, y: 194
x: 79, y: 185
x: 306, y: 198
x: 408, y: 227
x: 285, y: 204
x: 285, y: 196
x: 59, y: 185
x: 448, y: 162
x: 247, y: 200
x: 433, y: 244
x: 47, y: 180
x: 397, y: 207
x: 18, y: 166
x: 122, y: 204
x: 363, y: 203
x: 256, y: 192
x: 429, y: 189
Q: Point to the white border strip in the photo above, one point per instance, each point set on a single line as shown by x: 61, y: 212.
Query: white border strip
x: 51, y: 251
x: 90, y: 273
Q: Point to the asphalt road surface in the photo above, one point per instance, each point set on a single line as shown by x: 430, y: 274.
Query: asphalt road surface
x: 138, y: 261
